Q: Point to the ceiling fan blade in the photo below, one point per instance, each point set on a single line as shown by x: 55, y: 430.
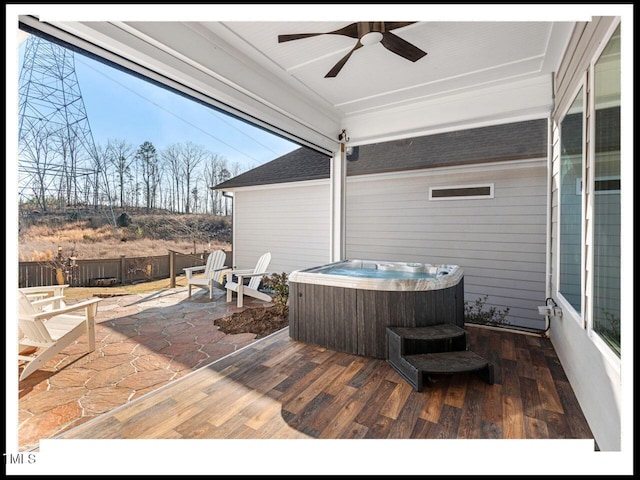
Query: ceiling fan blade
x: 349, y: 31
x: 401, y: 47
x: 296, y: 36
x: 338, y: 66
x: 393, y: 25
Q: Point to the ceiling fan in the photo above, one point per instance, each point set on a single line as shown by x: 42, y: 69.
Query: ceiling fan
x: 367, y: 33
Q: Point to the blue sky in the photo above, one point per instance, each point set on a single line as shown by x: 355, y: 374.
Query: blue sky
x: 121, y: 106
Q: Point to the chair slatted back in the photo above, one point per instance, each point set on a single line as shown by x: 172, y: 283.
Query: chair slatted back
x: 214, y: 261
x: 261, y: 266
x: 32, y: 328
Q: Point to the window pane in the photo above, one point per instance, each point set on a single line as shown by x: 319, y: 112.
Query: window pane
x: 571, y: 194
x: 606, y: 260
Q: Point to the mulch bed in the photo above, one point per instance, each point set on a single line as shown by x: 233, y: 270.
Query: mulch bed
x: 262, y: 321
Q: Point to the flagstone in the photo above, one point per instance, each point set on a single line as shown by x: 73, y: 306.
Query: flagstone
x: 179, y: 348
x: 239, y: 338
x: 154, y: 344
x: 218, y: 350
x: 187, y: 359
x: 117, y: 336
x: 51, y: 399
x: 57, y: 418
x: 151, y: 362
x: 102, y: 400
x: 119, y: 348
x: 130, y: 320
x: 111, y: 376
x: 142, y: 380
x: 78, y: 347
x: 70, y: 378
x: 151, y: 328
x: 103, y: 362
x: 139, y: 393
x: 173, y: 330
x: 210, y: 337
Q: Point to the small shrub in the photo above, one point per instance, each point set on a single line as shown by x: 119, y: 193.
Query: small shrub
x: 123, y: 220
x: 476, y: 313
x: 277, y: 283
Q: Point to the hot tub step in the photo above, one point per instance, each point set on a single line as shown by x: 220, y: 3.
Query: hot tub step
x: 414, y: 367
x: 443, y: 337
x: 417, y: 352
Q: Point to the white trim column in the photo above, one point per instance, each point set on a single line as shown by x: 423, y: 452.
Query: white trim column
x: 338, y: 205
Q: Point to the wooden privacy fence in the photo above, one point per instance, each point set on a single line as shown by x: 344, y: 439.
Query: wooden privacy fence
x: 108, y: 271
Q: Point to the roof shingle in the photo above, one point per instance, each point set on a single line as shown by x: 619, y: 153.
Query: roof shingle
x: 512, y: 141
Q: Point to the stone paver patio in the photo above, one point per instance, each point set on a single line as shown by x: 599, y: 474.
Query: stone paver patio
x: 142, y: 343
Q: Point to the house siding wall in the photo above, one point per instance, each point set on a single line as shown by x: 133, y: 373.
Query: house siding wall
x: 594, y: 375
x: 291, y: 222
x: 499, y: 242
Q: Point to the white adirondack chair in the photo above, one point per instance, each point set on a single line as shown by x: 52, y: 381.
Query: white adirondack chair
x: 213, y: 273
x: 235, y: 281
x: 49, y: 330
x: 53, y: 293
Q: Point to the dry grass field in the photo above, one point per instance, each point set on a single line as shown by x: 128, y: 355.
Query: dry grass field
x: 90, y: 236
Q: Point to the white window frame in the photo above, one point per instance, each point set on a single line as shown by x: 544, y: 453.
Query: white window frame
x: 598, y: 179
x: 590, y: 203
x: 585, y: 319
x: 566, y: 306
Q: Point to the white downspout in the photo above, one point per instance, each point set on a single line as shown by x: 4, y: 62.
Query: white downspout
x: 548, y: 266
x: 338, y: 204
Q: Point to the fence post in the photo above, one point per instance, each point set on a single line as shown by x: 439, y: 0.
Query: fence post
x: 172, y: 269
x: 122, y: 269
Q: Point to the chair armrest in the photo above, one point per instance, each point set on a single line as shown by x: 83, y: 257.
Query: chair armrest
x: 55, y: 290
x: 191, y: 270
x: 252, y: 274
x: 221, y: 269
x: 50, y: 288
x: 239, y: 272
x: 68, y: 309
x: 47, y: 301
x: 195, y: 269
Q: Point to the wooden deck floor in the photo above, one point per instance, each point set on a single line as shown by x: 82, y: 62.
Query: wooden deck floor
x: 278, y: 388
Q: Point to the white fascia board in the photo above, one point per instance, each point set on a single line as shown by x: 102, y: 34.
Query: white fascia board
x: 280, y: 186
x: 520, y: 100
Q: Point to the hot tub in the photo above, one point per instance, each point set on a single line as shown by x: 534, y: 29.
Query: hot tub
x: 348, y: 305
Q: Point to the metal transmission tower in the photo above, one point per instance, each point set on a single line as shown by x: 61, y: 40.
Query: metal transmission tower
x: 57, y: 158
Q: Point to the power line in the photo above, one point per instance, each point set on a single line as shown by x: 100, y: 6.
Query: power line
x: 180, y: 118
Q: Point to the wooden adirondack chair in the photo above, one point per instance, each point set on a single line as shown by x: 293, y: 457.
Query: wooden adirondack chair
x: 53, y: 293
x: 213, y: 273
x: 50, y: 330
x: 235, y: 281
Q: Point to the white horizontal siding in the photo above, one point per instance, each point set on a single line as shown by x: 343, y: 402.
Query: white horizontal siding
x: 499, y: 242
x: 292, y: 223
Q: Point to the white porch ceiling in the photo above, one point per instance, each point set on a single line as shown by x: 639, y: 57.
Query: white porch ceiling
x: 475, y: 72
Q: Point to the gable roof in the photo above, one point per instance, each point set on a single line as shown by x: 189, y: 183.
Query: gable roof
x: 296, y: 166
x: 512, y: 141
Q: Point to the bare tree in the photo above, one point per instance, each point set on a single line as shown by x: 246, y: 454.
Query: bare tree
x: 171, y: 158
x: 38, y: 168
x: 102, y: 159
x: 121, y: 157
x: 192, y: 156
x: 212, y: 175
